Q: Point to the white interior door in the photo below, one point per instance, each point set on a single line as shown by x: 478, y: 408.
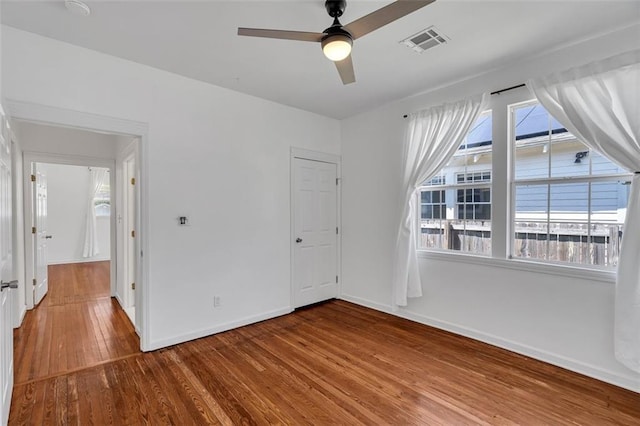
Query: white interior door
x: 130, y: 220
x: 6, y: 275
x: 315, y: 263
x: 40, y: 236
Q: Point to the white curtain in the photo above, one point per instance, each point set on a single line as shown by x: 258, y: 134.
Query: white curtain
x: 91, y: 249
x: 432, y: 137
x: 600, y: 104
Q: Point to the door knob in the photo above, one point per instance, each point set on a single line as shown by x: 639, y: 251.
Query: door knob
x: 298, y: 240
x: 48, y: 237
x: 10, y: 284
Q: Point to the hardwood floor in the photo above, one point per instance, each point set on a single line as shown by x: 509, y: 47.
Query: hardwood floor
x: 76, y: 325
x: 335, y: 363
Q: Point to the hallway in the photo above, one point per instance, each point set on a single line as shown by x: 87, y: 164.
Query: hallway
x: 77, y: 325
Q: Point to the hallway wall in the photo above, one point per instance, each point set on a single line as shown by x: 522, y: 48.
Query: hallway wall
x: 67, y: 208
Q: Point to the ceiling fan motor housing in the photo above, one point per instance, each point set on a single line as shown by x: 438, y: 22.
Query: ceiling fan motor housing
x: 335, y: 8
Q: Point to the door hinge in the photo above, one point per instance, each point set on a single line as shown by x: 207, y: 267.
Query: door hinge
x: 133, y: 286
x: 33, y: 229
x: 133, y: 234
x: 336, y: 230
x: 337, y: 180
x: 34, y: 281
x: 133, y: 181
x: 33, y: 178
x: 336, y: 279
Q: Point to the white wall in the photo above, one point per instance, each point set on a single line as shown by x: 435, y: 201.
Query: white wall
x: 216, y: 155
x: 67, y: 188
x: 563, y: 320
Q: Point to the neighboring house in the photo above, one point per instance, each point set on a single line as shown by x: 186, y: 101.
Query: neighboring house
x: 575, y: 220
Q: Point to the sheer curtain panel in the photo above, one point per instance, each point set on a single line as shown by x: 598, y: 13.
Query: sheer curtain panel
x: 600, y: 104
x: 431, y: 139
x: 91, y: 248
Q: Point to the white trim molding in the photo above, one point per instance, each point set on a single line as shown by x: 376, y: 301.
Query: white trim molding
x: 45, y: 114
x: 62, y: 117
x: 163, y: 343
x: 568, y: 270
x: 307, y: 154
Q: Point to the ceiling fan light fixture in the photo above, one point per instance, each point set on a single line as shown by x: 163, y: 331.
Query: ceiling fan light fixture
x: 337, y: 47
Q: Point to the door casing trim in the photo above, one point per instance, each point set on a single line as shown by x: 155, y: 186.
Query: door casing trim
x: 324, y: 157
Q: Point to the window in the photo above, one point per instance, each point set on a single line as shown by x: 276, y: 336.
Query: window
x: 433, y: 204
x: 569, y: 202
x: 102, y: 200
x: 457, y: 215
x: 474, y: 203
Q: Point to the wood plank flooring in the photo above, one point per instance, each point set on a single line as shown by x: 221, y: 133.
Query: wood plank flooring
x: 335, y: 363
x: 76, y: 325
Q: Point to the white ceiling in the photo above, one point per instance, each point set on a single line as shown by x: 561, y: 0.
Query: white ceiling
x: 198, y: 39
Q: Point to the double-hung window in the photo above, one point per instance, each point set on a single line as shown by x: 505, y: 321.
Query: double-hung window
x: 559, y: 201
x: 455, y: 205
x: 569, y: 202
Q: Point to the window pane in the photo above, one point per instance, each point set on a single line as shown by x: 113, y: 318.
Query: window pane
x: 569, y: 157
x: 531, y: 215
x: 608, y: 212
x: 576, y: 222
x: 570, y: 226
x: 459, y: 218
x: 544, y: 148
x: 600, y: 165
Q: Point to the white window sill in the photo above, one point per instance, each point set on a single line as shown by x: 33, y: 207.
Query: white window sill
x: 570, y: 271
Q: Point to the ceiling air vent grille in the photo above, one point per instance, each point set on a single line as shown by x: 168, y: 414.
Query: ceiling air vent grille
x: 425, y: 39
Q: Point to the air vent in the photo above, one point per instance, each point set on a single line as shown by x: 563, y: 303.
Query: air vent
x: 425, y: 39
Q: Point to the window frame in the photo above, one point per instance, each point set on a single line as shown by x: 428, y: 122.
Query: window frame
x: 550, y: 180
x: 503, y: 205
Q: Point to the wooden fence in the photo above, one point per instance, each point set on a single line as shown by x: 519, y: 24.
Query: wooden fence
x: 597, y: 244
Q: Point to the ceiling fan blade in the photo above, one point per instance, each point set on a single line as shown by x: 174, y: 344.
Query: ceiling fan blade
x: 281, y: 34
x: 384, y: 16
x: 345, y: 69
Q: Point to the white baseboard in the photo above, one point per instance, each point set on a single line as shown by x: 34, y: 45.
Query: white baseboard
x: 83, y: 260
x: 23, y: 312
x: 627, y: 382
x: 163, y: 343
x: 119, y: 299
x: 368, y: 304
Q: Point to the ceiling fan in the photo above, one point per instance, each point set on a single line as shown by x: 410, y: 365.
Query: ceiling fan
x: 336, y: 41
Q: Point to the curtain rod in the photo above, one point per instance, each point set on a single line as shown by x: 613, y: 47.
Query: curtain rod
x: 497, y: 92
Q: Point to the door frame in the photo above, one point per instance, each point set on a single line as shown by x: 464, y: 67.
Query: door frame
x: 129, y: 154
x: 322, y: 157
x: 44, y: 114
x: 29, y: 158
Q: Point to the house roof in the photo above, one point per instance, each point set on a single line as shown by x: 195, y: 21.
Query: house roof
x: 530, y: 122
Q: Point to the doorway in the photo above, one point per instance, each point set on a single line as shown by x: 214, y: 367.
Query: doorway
x: 70, y: 221
x: 79, y: 154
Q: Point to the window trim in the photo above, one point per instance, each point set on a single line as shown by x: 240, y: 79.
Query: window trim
x: 567, y: 270
x: 513, y: 183
x: 502, y: 205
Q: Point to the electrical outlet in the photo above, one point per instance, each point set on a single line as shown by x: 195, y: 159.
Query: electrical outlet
x: 216, y: 301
